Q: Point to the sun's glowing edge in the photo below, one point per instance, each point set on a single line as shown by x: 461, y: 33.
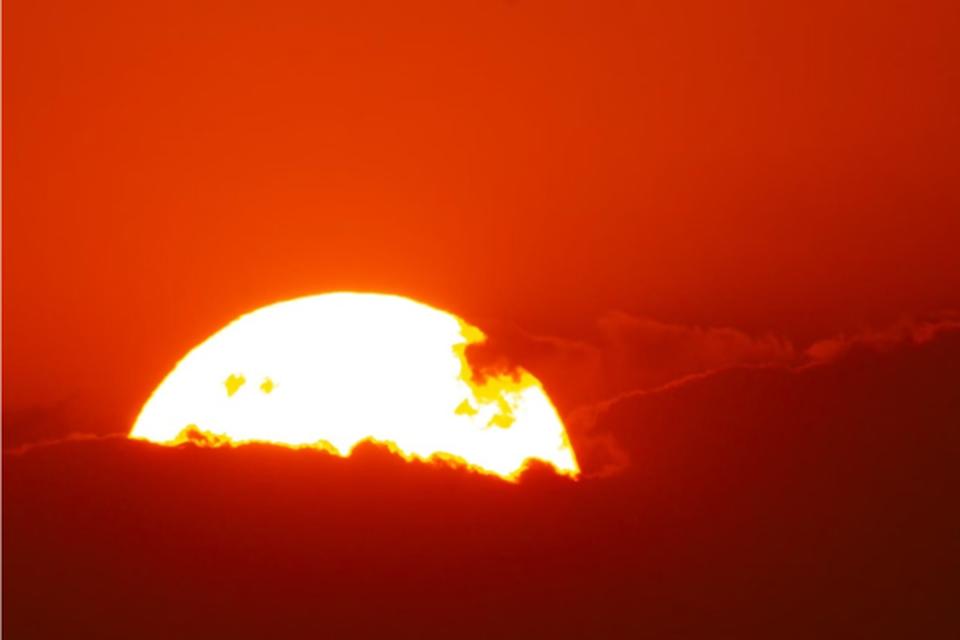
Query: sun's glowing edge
x: 505, y: 397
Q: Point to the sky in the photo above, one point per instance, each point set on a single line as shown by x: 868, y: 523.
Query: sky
x: 637, y: 201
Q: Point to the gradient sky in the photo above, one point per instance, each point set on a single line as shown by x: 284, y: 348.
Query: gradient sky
x: 784, y: 167
x: 724, y: 235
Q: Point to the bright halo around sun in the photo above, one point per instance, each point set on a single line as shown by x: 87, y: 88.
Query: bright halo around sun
x: 334, y: 370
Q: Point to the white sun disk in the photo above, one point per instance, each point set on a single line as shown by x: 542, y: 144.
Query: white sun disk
x: 344, y: 367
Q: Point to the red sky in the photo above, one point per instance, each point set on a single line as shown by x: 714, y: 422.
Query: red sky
x: 623, y: 194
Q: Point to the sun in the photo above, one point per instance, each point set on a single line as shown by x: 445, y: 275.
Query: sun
x: 333, y: 370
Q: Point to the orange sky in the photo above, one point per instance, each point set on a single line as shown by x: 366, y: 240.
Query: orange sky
x: 655, y: 207
x: 788, y: 167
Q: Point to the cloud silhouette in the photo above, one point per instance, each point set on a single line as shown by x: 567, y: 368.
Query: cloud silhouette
x: 916, y: 330
x: 627, y: 353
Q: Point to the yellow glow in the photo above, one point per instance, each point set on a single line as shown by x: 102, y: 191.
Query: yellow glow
x: 333, y: 370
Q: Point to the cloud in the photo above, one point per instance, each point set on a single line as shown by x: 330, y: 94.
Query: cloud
x: 632, y: 356
x: 644, y: 354
x: 890, y: 381
x: 908, y: 330
x: 36, y: 424
x: 77, y: 415
x: 628, y: 353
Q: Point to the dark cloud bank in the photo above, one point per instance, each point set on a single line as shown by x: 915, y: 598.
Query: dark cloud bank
x: 756, y: 501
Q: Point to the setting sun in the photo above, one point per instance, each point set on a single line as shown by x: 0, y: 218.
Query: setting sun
x: 333, y: 370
